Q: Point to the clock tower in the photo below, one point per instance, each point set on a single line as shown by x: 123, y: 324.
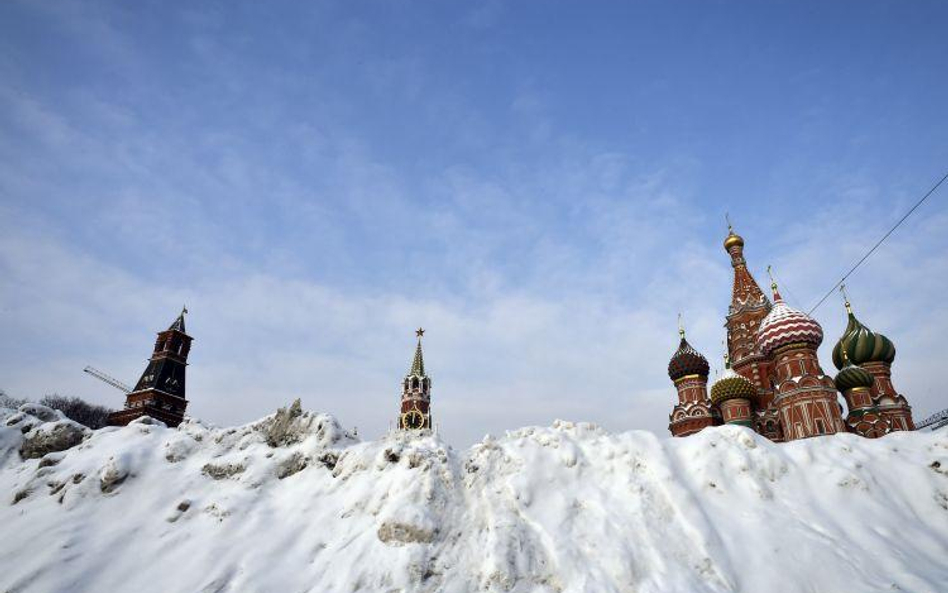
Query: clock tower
x: 416, y: 394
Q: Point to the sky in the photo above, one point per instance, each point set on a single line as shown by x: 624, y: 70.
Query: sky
x: 542, y: 186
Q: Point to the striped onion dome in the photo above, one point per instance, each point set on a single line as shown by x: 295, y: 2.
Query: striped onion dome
x: 785, y: 325
x: 851, y: 376
x: 687, y: 361
x: 731, y: 385
x: 862, y: 345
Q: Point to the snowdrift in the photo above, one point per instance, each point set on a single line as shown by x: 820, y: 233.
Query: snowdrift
x: 296, y: 503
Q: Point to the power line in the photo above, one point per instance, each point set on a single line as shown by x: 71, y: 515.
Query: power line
x: 876, y: 246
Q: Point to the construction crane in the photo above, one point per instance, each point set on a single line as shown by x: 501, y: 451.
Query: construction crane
x: 107, y: 379
x: 935, y: 421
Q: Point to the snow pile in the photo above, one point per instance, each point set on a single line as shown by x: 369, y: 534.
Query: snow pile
x: 295, y: 503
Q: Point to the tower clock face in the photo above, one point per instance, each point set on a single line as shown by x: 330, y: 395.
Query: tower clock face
x: 413, y: 419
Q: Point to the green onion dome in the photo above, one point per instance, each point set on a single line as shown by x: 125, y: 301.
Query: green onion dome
x: 731, y: 385
x: 851, y: 377
x: 687, y: 361
x: 861, y: 344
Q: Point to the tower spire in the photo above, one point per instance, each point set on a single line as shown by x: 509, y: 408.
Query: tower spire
x: 418, y: 363
x: 745, y: 293
x: 178, y: 323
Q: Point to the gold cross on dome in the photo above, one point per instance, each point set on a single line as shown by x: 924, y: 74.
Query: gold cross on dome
x: 419, y: 332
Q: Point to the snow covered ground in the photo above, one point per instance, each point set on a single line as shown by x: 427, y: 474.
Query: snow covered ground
x: 295, y: 503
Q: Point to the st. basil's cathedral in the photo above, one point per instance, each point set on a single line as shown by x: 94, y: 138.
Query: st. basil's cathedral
x: 773, y: 382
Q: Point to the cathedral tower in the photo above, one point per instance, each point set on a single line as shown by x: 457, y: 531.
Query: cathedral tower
x: 748, y: 308
x: 688, y: 370
x: 855, y: 384
x: 805, y: 397
x: 160, y: 391
x: 875, y: 353
x: 416, y: 394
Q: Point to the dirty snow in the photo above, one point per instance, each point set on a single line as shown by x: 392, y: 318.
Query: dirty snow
x: 295, y: 503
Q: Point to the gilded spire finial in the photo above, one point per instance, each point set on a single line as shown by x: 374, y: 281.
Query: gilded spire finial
x: 727, y: 356
x: 849, y: 308
x: 681, y: 328
x: 184, y: 309
x: 420, y: 332
x: 730, y: 229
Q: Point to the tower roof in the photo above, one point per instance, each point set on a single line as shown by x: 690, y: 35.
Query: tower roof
x: 178, y: 323
x: 745, y: 292
x: 861, y: 344
x: 687, y: 361
x: 786, y: 325
x: 418, y: 363
x: 731, y: 385
x: 851, y: 376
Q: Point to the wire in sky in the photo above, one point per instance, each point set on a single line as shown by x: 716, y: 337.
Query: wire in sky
x: 876, y: 246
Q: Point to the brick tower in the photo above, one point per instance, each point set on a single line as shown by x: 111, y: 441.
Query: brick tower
x: 805, y: 397
x: 688, y: 370
x: 875, y: 353
x: 748, y: 308
x: 416, y: 394
x: 160, y: 392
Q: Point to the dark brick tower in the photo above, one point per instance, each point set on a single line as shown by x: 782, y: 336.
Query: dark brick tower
x: 416, y: 394
x: 160, y: 392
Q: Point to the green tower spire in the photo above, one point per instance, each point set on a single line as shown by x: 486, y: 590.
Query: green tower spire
x: 418, y: 363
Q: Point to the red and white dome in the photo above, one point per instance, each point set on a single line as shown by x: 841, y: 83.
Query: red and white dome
x: 785, y: 325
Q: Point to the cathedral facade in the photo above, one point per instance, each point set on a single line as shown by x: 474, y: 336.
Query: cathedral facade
x: 773, y: 381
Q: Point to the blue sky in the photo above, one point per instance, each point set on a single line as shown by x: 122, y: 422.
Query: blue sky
x: 541, y: 185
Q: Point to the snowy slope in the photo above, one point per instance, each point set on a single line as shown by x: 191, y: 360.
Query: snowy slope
x: 145, y: 508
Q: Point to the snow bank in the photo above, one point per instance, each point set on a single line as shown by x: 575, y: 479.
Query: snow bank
x: 295, y: 503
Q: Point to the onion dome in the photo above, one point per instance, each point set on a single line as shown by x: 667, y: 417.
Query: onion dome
x: 731, y: 385
x: 785, y: 325
x: 851, y: 377
x: 687, y: 361
x: 732, y: 239
x: 861, y: 344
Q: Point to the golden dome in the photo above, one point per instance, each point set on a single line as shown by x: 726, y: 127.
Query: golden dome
x: 731, y: 240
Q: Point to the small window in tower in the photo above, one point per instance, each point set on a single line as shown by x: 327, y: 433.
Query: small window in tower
x: 820, y: 425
